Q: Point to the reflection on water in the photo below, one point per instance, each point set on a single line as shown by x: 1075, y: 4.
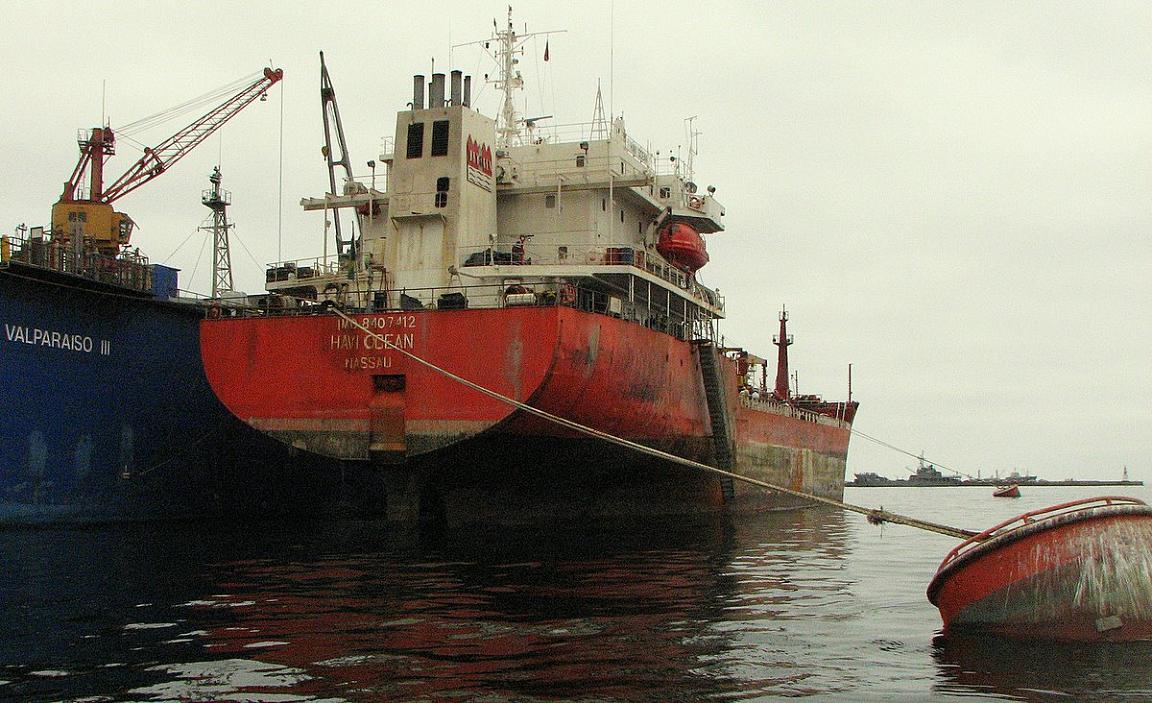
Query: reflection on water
x: 1043, y: 671
x: 813, y: 603
x: 656, y: 612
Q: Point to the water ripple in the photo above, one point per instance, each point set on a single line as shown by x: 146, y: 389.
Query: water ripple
x: 815, y: 605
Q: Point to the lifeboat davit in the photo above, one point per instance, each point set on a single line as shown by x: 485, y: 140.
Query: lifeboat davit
x: 1079, y: 571
x: 683, y: 247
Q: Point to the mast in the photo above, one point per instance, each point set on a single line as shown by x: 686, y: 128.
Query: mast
x: 218, y: 201
x: 504, y: 47
x: 507, y: 126
x: 599, y: 122
x: 782, y: 342
x: 693, y: 139
x: 329, y: 107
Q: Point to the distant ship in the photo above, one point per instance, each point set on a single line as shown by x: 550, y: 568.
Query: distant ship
x: 558, y: 267
x: 928, y: 475
x: 871, y: 479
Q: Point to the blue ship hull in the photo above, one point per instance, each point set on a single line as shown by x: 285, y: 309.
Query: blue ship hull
x: 106, y: 411
x: 107, y: 415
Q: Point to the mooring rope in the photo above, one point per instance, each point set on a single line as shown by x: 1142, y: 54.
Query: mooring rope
x: 875, y: 516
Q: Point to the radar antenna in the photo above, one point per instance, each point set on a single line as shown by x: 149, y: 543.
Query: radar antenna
x: 504, y: 47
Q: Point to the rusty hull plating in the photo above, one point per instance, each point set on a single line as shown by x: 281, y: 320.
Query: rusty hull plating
x: 331, y: 390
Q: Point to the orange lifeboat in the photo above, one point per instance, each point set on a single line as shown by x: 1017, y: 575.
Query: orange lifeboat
x: 683, y: 247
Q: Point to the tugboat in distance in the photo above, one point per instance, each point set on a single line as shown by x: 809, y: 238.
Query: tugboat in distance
x: 928, y: 475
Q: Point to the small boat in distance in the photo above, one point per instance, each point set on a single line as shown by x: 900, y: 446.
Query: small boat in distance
x: 1010, y: 490
x: 1078, y: 571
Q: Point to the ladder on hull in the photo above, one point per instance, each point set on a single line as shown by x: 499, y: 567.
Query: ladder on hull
x: 723, y: 447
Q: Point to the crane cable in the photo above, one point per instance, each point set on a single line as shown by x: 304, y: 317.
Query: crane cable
x: 875, y: 516
x: 211, y: 97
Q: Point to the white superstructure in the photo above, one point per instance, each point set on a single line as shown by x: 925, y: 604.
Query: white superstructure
x: 473, y: 212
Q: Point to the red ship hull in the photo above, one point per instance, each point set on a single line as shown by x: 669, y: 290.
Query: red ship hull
x: 1082, y: 575
x: 319, y: 384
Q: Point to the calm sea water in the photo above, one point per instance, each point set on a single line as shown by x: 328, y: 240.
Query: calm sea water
x: 815, y: 604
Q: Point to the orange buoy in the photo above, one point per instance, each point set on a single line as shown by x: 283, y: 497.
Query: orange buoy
x: 1079, y: 571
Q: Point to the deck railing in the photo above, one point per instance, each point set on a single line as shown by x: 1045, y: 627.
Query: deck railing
x: 508, y: 255
x: 769, y: 404
x: 584, y: 255
x: 459, y: 297
x: 39, y: 250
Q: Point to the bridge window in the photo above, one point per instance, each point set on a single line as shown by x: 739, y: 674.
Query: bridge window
x: 415, y: 140
x: 440, y: 138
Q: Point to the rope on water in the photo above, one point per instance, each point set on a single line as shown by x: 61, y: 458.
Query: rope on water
x: 875, y: 516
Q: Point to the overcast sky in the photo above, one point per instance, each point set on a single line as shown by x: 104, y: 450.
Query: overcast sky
x: 956, y: 198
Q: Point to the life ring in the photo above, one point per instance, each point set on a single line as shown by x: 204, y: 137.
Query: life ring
x: 695, y: 202
x: 214, y: 312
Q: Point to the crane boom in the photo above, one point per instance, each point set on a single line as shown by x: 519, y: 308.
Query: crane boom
x: 89, y: 217
x: 158, y: 159
x: 328, y: 106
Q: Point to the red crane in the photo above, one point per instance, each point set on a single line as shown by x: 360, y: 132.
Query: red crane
x: 91, y: 217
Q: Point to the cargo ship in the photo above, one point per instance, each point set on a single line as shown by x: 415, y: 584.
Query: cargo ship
x: 107, y: 413
x: 558, y: 266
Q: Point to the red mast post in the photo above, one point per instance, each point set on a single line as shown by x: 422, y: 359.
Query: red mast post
x: 782, y: 342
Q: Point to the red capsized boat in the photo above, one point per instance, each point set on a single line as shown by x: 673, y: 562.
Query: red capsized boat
x: 1009, y: 491
x: 683, y: 247
x: 1079, y: 571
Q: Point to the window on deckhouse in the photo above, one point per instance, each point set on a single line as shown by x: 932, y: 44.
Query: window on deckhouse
x: 415, y: 140
x: 442, y: 191
x: 440, y: 138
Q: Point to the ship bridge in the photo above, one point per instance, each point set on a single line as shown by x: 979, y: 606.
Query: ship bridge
x: 577, y: 214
